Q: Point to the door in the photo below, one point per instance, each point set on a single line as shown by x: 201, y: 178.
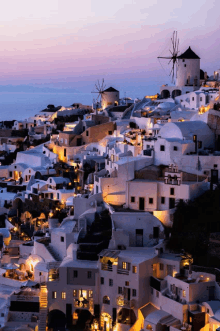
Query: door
x: 169, y: 270
x: 69, y: 314
x: 139, y: 237
x: 171, y: 203
x: 141, y: 203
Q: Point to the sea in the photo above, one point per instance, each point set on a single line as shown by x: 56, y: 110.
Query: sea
x: 21, y: 105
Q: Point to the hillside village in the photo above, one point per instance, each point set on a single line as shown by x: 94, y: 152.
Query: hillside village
x: 88, y: 196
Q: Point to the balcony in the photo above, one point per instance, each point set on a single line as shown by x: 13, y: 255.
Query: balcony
x: 83, y: 303
x: 158, y: 284
x: 123, y: 272
x: 107, y: 267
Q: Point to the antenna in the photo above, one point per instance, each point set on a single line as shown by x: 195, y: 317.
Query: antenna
x: 174, y: 54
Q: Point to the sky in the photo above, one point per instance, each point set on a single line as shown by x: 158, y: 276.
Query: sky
x: 73, y: 43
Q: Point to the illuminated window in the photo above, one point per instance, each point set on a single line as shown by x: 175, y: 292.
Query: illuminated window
x: 124, y: 265
x: 184, y: 293
x: 134, y: 269
x: 63, y: 295
x: 54, y: 295
x: 90, y: 294
x: 149, y: 327
x: 32, y: 268
x: 75, y: 293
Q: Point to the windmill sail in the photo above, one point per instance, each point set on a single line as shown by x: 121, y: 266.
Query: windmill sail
x: 174, y: 54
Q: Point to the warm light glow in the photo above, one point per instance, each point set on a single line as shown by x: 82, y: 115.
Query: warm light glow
x: 151, y: 96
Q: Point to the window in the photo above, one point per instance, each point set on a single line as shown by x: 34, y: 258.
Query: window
x: 162, y: 148
x: 10, y: 173
x: 110, y: 133
x: 89, y: 274
x: 215, y: 166
x: 156, y: 232
x: 175, y: 148
x: 75, y: 273
x: 207, y: 311
x: 163, y: 200
x: 90, y: 293
x: 184, y: 293
x: 200, y: 98
x: 124, y: 265
x: 161, y: 266
x: 126, y: 283
x: 190, y: 319
x: 58, y: 195
x: 134, y: 293
x: 183, y: 60
x: 171, y: 191
x: 87, y: 133
x: 15, y: 167
x: 64, y: 152
x: 151, y: 201
x: 75, y: 293
x: 134, y: 269
x: 193, y: 98
x: 29, y: 171
x: 157, y: 294
x: 63, y: 295
x: 184, y: 65
x: 132, y: 199
x: 54, y: 295
x: 120, y: 290
x: 102, y: 281
x: 110, y: 282
x: 199, y: 144
x: 62, y: 239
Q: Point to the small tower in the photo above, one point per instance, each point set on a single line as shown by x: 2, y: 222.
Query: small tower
x: 109, y: 97
x: 188, y: 69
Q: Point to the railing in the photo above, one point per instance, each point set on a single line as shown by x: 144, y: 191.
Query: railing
x: 83, y: 304
x: 123, y: 272
x: 106, y: 267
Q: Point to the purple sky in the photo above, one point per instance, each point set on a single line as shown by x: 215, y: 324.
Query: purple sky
x: 69, y: 42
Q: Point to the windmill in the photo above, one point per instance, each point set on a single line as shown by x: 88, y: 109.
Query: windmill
x: 100, y: 88
x: 174, y: 54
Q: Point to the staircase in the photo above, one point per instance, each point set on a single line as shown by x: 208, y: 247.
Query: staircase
x: 53, y: 253
x: 43, y: 308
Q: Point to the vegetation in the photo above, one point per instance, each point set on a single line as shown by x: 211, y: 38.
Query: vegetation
x: 193, y: 222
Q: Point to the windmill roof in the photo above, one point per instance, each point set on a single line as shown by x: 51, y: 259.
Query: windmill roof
x: 188, y: 54
x: 111, y: 89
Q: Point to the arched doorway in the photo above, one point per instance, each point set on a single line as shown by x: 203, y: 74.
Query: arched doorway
x: 165, y: 94
x: 106, y: 322
x: 56, y: 320
x: 83, y: 318
x: 176, y: 93
x: 126, y: 316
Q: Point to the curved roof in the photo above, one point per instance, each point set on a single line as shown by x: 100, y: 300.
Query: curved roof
x: 184, y: 129
x: 156, y: 316
x: 188, y: 54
